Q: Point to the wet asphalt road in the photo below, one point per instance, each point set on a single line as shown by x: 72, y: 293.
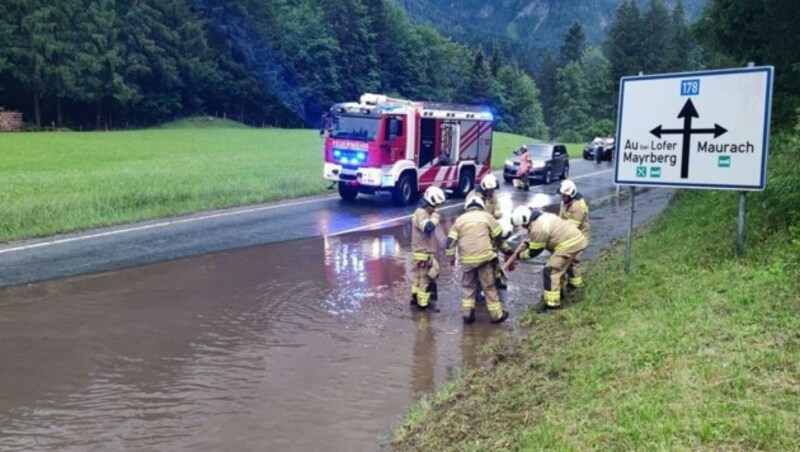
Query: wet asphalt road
x: 298, y: 337
x: 208, y: 232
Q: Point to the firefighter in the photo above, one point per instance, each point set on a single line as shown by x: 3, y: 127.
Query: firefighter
x: 487, y: 188
x: 423, y: 248
x: 522, y: 182
x: 560, y: 237
x: 473, y: 233
x: 574, y: 209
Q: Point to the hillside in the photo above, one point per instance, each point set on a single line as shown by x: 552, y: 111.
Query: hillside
x: 537, y: 24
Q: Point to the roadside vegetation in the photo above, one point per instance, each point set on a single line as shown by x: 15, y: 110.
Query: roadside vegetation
x: 59, y: 182
x: 696, y: 349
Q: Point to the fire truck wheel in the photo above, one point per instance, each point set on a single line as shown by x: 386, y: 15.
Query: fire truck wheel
x: 347, y: 193
x: 405, y: 190
x: 466, y: 182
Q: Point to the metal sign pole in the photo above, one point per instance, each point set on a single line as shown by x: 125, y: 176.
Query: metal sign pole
x: 742, y: 206
x: 629, y: 245
x: 740, y: 226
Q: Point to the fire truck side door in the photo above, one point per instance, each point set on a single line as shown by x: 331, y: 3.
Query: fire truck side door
x: 450, y: 140
x: 427, y: 139
x: 395, y: 136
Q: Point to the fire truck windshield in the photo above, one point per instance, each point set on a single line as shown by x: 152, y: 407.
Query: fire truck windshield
x: 356, y: 127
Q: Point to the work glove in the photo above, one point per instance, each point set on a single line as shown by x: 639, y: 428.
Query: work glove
x: 452, y: 263
x: 422, y: 264
x: 512, y: 266
x: 508, y: 252
x: 520, y: 255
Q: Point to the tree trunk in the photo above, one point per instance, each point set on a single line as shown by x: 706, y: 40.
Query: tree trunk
x: 37, y: 113
x: 98, y: 117
x: 59, y: 117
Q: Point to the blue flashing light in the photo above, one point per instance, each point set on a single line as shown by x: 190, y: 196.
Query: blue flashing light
x: 348, y: 156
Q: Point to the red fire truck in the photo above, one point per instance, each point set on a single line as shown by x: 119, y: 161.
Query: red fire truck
x: 381, y: 144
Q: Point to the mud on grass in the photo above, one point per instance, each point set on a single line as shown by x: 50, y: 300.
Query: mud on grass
x: 696, y: 349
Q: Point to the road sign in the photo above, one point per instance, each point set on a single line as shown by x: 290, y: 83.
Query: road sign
x: 695, y: 130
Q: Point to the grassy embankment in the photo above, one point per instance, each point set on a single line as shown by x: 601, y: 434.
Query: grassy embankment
x: 696, y: 349
x: 58, y: 182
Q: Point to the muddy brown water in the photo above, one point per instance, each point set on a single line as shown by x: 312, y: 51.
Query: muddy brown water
x: 303, y: 345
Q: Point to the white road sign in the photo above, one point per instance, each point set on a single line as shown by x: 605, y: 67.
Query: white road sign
x: 696, y: 129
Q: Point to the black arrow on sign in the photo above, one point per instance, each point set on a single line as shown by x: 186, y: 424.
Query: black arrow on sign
x: 687, y: 113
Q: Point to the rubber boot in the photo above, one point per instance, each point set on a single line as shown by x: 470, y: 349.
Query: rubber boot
x: 469, y: 318
x: 434, y: 291
x: 413, y: 300
x: 502, y: 318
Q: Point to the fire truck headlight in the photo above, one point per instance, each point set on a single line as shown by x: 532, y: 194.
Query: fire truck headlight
x: 332, y: 171
x: 371, y: 176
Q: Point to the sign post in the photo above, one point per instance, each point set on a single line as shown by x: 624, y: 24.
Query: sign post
x: 706, y: 130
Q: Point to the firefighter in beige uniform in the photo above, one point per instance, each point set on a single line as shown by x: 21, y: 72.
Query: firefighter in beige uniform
x: 574, y: 209
x: 473, y: 233
x: 488, y: 186
x: 560, y: 237
x: 423, y: 248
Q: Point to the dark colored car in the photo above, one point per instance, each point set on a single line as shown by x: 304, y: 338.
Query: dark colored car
x: 606, y: 143
x: 549, y: 160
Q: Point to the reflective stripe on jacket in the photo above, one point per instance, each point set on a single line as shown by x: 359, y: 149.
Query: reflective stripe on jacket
x: 423, y: 244
x: 474, y: 234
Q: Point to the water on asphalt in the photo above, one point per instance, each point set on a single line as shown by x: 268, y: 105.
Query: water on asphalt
x: 301, y: 345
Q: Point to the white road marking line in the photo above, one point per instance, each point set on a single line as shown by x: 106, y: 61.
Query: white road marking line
x: 390, y: 220
x: 591, y: 174
x: 160, y: 225
x: 220, y: 215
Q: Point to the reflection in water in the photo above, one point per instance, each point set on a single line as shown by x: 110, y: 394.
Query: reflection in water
x: 303, y: 345
x: 423, y: 370
x: 362, y: 270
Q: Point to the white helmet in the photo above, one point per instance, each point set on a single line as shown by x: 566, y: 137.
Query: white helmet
x: 524, y: 215
x: 474, y: 199
x: 568, y: 188
x: 524, y: 146
x: 434, y: 196
x: 489, y: 182
x: 507, y: 230
x: 521, y: 216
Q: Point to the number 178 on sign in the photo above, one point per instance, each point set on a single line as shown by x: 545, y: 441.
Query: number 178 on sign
x: 690, y: 87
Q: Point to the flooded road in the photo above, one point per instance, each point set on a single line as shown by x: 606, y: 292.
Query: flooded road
x: 299, y: 345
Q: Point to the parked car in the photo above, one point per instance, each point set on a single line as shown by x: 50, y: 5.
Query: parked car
x: 549, y: 160
x: 608, y: 145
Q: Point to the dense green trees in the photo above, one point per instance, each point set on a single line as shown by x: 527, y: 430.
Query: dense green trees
x: 766, y: 32
x: 107, y: 63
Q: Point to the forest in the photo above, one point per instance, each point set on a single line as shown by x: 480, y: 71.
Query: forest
x: 108, y: 64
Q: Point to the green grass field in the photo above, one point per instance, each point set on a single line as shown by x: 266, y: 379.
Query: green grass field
x: 59, y: 182
x: 694, y: 350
